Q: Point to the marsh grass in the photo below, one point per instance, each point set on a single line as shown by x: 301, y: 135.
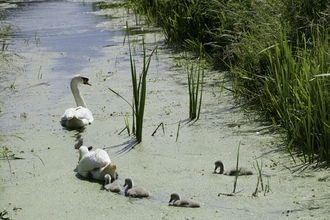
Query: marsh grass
x: 4, y: 215
x: 139, y: 84
x: 139, y: 87
x: 237, y: 170
x: 127, y: 126
x: 160, y: 125
x: 195, y: 76
x: 8, y: 155
x: 259, y: 179
x: 298, y: 99
x: 272, y: 50
x: 178, y: 132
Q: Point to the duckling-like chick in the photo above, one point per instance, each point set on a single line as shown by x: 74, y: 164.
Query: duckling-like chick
x: 111, y: 186
x: 231, y: 172
x: 135, y: 191
x: 177, y: 201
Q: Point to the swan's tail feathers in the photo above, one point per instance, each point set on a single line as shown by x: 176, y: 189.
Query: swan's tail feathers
x: 77, y: 117
x: 73, y: 122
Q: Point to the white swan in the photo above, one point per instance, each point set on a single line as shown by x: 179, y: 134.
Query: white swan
x: 95, y: 164
x: 231, y: 172
x: 135, y: 191
x: 80, y: 116
x: 91, y: 160
x: 177, y: 201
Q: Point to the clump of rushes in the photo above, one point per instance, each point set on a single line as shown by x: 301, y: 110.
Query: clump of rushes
x: 139, y: 84
x: 195, y: 88
x: 259, y: 181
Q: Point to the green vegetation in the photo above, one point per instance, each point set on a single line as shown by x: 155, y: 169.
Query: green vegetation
x: 272, y: 50
x: 139, y: 85
x: 3, y: 215
x: 139, y: 90
x: 195, y: 88
x: 237, y: 169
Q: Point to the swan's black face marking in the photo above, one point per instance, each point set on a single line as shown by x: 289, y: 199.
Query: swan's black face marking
x: 85, y: 80
x: 90, y: 148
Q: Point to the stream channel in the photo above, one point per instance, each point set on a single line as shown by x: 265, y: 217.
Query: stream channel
x: 54, y: 40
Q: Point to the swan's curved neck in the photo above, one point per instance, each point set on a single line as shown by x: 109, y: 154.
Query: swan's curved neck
x: 76, y: 94
x: 82, y: 151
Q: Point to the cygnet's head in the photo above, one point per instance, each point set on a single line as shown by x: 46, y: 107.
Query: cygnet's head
x: 217, y: 164
x: 129, y: 183
x: 174, y: 197
x: 107, y: 179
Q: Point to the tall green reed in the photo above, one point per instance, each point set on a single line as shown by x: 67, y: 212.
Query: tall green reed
x: 195, y: 92
x: 139, y: 84
x: 195, y: 76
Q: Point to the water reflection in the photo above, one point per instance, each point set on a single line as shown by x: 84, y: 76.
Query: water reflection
x: 69, y: 28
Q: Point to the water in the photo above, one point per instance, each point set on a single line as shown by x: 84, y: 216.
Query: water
x: 67, y: 28
x: 54, y: 40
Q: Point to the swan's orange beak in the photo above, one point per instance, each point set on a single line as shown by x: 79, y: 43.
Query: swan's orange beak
x: 85, y: 79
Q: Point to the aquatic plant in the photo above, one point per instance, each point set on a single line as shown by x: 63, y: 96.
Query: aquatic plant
x: 237, y: 169
x: 3, y: 215
x: 139, y: 84
x: 272, y: 50
x: 259, y: 178
x: 195, y: 88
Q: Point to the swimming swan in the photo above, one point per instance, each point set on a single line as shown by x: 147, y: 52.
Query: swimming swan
x: 91, y: 160
x: 231, y: 172
x: 135, y: 191
x: 111, y: 186
x: 177, y: 201
x: 80, y: 116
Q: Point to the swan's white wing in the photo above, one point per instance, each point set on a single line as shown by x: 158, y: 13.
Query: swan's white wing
x: 84, y: 114
x: 93, y: 160
x: 77, y: 117
x: 102, y: 157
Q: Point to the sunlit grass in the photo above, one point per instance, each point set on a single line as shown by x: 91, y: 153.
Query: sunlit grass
x: 299, y: 101
x: 271, y: 49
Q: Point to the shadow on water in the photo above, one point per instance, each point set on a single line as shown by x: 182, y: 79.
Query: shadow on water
x: 126, y: 147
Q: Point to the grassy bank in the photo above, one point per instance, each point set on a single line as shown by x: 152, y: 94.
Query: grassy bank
x: 275, y: 51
